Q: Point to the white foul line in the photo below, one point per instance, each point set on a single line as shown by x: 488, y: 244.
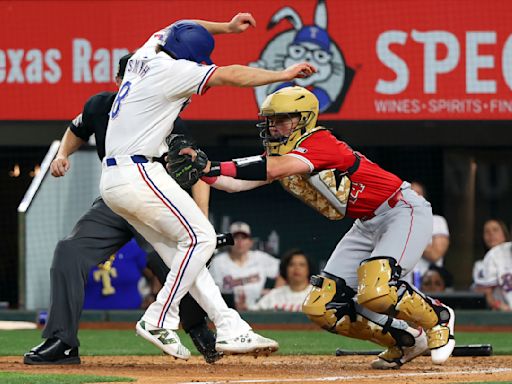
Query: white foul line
x: 355, y: 377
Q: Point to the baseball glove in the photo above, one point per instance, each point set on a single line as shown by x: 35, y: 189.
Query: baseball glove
x: 182, y: 168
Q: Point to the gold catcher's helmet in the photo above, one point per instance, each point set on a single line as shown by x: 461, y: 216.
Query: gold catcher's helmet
x: 287, y: 102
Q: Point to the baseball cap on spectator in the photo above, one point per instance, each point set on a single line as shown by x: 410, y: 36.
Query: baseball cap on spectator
x: 240, y: 227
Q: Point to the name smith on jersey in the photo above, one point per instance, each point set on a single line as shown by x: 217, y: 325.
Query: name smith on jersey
x: 139, y: 67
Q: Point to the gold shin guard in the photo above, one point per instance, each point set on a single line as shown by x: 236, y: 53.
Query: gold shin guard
x: 322, y: 308
x: 364, y: 329
x: 323, y: 292
x: 377, y: 294
x: 414, y: 308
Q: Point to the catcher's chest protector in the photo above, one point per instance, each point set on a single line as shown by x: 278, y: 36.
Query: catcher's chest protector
x: 327, y: 191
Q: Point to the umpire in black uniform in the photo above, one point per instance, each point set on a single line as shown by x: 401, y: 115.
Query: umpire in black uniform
x: 98, y: 234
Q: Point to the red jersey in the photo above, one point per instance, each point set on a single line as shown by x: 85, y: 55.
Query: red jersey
x: 371, y: 185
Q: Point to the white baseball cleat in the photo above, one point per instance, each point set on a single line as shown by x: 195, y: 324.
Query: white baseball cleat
x: 395, y: 357
x: 165, y: 339
x: 441, y: 339
x: 247, y: 343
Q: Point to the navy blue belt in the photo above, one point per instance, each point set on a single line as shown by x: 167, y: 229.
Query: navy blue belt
x: 135, y: 158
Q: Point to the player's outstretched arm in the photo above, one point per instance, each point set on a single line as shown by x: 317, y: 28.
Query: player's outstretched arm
x: 238, y: 24
x: 251, y: 172
x: 283, y: 166
x: 69, y: 144
x: 243, y: 76
x: 230, y: 185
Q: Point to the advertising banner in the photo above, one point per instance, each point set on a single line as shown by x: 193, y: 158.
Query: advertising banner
x: 376, y: 60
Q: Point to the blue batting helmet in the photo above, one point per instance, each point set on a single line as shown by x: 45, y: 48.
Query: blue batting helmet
x: 188, y: 40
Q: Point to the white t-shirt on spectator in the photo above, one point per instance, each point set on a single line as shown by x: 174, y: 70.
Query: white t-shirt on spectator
x: 496, y: 271
x: 248, y: 278
x: 440, y: 229
x: 282, y: 299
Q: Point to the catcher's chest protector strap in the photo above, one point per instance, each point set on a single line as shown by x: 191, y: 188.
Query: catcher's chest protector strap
x: 354, y: 166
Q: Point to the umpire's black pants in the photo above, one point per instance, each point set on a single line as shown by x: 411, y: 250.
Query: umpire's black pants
x: 98, y: 234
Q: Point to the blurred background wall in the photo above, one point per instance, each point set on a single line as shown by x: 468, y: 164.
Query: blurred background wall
x: 421, y: 87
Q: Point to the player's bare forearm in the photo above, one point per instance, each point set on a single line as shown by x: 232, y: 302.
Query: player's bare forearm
x: 231, y: 185
x: 243, y: 76
x: 215, y: 28
x: 201, y: 195
x: 239, y: 23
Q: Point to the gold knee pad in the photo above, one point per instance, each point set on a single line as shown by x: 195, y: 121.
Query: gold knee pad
x: 415, y: 308
x: 364, y: 329
x: 374, y: 291
x: 324, y: 290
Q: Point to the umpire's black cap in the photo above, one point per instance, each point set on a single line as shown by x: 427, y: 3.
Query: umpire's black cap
x: 123, y: 61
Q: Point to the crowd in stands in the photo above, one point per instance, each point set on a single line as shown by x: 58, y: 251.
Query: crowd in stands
x: 253, y: 280
x: 244, y: 274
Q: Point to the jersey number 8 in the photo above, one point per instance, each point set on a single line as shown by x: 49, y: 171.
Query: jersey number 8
x: 121, y: 95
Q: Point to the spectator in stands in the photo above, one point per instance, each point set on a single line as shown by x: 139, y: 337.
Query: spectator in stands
x: 114, y: 284
x: 436, y: 279
x: 494, y: 277
x: 436, y: 250
x: 495, y: 232
x: 241, y: 273
x: 296, y: 269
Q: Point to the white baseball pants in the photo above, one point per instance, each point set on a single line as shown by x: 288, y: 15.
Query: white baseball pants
x: 168, y: 218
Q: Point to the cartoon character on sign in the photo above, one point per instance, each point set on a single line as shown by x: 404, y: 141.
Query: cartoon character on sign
x: 309, y: 43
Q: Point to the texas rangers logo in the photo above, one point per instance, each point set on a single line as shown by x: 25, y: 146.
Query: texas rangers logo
x: 310, y: 43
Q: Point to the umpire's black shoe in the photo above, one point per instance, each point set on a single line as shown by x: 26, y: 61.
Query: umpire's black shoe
x: 204, y: 340
x: 52, y: 352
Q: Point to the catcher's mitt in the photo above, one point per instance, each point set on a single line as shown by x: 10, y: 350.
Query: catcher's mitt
x: 185, y: 171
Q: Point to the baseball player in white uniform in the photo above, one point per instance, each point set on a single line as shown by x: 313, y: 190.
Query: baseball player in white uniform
x: 158, y: 84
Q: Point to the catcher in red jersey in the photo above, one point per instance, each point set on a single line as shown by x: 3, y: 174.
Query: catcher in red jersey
x: 360, y: 293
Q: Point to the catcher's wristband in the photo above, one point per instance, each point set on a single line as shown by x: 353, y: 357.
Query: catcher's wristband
x: 209, y: 179
x: 247, y: 168
x: 215, y: 172
x: 215, y: 169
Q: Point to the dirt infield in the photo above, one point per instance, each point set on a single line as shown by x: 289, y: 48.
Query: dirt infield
x: 288, y: 327
x: 279, y: 369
